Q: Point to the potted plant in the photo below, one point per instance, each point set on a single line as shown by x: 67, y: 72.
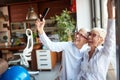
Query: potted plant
x: 65, y: 24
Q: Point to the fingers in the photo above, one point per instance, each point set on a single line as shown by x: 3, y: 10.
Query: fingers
x: 43, y: 20
x: 37, y: 21
x: 40, y: 15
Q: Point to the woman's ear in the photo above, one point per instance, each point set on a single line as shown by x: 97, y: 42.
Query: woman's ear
x: 101, y: 41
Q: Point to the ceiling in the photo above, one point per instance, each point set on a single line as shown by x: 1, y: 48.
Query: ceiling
x: 6, y: 2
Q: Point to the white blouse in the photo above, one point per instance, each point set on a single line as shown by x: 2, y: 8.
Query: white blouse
x: 96, y: 68
x: 71, y: 57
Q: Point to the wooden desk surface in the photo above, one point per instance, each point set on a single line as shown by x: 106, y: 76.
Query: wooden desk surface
x: 13, y: 48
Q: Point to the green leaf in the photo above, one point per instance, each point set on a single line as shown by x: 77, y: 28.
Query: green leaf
x: 65, y: 24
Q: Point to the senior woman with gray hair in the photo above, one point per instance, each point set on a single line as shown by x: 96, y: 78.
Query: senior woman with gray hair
x: 71, y: 51
x: 96, y: 59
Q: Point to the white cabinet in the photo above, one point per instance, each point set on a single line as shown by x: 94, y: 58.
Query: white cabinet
x: 45, y: 59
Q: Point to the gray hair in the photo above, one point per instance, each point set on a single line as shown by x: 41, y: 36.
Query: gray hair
x: 101, y: 31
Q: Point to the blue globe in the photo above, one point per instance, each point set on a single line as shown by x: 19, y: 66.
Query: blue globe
x: 15, y: 73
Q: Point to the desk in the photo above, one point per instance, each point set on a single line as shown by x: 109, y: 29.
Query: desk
x: 10, y: 48
x: 16, y: 48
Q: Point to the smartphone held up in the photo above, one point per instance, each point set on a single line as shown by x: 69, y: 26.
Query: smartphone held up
x: 45, y: 12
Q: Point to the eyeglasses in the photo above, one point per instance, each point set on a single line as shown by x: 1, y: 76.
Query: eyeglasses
x: 77, y: 33
x: 92, y: 34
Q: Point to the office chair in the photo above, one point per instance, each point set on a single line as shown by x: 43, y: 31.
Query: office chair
x: 25, y: 56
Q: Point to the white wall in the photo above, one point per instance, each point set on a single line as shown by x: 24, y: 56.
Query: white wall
x: 104, y: 13
x: 83, y: 14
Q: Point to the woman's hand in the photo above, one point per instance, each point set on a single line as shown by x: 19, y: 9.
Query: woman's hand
x: 110, y: 9
x: 40, y: 25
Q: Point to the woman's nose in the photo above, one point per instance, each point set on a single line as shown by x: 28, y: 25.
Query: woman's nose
x: 89, y: 37
x: 77, y: 35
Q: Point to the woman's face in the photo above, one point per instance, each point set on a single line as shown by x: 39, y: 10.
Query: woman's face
x: 80, y: 37
x: 94, y: 39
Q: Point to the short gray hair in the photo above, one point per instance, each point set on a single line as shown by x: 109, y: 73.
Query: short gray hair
x: 101, y: 31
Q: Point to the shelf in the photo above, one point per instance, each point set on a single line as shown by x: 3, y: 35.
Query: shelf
x: 18, y: 31
x: 3, y: 29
